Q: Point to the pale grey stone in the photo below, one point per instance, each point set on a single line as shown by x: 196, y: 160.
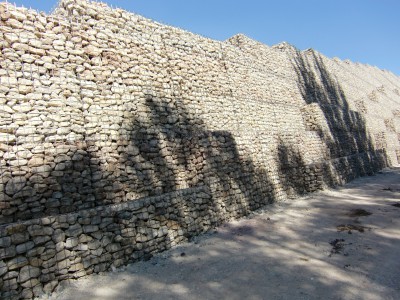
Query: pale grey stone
x: 43, y: 170
x: 3, y: 268
x: 90, y: 228
x: 5, y: 242
x: 63, y: 255
x: 30, y: 283
x: 15, y: 184
x: 27, y: 294
x: 58, y: 236
x: 38, y: 240
x: 38, y: 230
x: 113, y: 247
x: 74, y: 230
x: 10, y: 275
x: 22, y: 248
x: 64, y: 264
x: 35, y: 252
x: 71, y: 242
x: 19, y: 238
x: 50, y: 287
x: 82, y: 247
x: 28, y: 272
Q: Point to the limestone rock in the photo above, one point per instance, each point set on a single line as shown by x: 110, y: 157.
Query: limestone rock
x: 25, y: 107
x: 27, y: 273
x: 36, y: 161
x: 71, y: 243
x: 15, y: 14
x: 17, y: 263
x: 3, y: 268
x: 37, y: 230
x: 5, y: 242
x: 22, y: 248
x: 14, y: 185
x: 120, y: 136
x: 74, y: 231
x: 92, y: 50
x: 7, y: 138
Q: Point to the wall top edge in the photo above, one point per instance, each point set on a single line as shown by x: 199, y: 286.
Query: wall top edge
x: 88, y: 7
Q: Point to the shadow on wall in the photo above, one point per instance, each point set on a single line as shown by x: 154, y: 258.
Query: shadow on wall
x: 195, y: 178
x: 168, y: 149
x: 350, y: 147
x: 58, y: 178
x: 292, y: 169
x: 277, y: 254
x: 174, y: 151
x: 261, y: 247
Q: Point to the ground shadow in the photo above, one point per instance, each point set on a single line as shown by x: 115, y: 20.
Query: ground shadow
x: 168, y: 149
x: 278, y: 255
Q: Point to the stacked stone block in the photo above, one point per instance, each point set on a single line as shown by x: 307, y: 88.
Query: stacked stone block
x: 121, y: 137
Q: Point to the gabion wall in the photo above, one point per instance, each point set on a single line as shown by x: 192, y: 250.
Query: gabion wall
x: 120, y: 136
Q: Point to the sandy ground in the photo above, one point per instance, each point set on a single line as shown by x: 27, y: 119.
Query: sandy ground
x: 323, y: 246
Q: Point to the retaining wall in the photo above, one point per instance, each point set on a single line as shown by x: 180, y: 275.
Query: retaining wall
x: 120, y: 136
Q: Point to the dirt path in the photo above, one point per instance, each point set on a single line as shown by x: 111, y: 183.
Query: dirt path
x: 325, y: 246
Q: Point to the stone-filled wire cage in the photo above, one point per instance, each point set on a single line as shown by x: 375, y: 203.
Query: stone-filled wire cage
x: 121, y: 137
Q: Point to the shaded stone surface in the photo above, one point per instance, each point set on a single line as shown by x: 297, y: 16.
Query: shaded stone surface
x: 121, y: 137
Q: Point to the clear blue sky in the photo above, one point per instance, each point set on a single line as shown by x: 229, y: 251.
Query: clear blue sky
x: 366, y: 31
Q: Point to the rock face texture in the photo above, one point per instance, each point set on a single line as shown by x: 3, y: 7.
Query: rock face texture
x: 120, y: 136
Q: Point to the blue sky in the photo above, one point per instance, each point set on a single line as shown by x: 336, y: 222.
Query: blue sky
x: 366, y: 31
